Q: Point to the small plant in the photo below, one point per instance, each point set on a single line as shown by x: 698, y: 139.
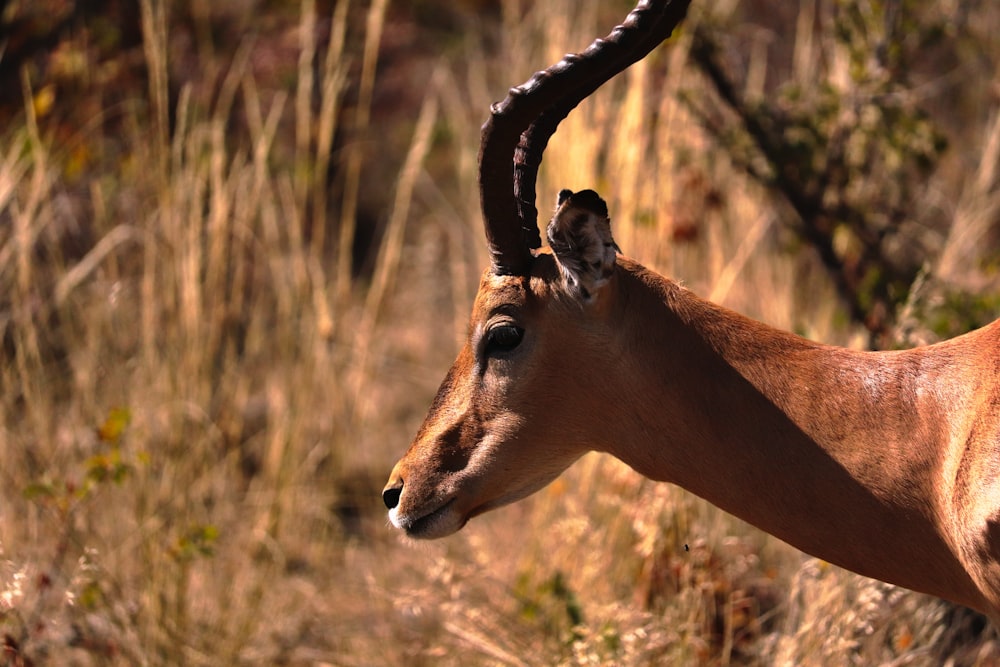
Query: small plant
x: 63, y: 600
x: 849, y: 150
x: 552, y: 603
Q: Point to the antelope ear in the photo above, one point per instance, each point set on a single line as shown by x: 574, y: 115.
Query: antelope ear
x: 580, y: 237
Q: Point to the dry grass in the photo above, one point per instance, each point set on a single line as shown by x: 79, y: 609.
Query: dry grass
x: 196, y: 415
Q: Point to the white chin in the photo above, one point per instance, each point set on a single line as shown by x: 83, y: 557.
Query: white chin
x: 440, y: 523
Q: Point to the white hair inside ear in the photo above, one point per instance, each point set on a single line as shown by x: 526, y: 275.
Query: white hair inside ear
x: 580, y: 236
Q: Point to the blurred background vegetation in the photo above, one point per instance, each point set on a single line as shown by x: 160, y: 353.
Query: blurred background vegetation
x: 238, y: 246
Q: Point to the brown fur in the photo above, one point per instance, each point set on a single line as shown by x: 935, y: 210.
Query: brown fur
x: 885, y: 463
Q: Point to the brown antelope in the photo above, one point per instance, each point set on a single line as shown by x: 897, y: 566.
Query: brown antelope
x: 885, y: 463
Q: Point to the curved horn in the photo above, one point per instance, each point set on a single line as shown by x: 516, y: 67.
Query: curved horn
x: 515, y: 135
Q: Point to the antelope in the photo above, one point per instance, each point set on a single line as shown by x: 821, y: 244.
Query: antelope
x: 884, y: 463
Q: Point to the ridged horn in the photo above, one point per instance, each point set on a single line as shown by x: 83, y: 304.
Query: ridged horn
x: 518, y: 129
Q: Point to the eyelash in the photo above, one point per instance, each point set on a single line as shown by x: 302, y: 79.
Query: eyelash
x: 503, y: 338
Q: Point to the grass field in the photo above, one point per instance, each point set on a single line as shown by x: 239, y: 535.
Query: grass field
x: 201, y: 393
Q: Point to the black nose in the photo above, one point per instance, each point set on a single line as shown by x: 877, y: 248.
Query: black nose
x: 390, y: 496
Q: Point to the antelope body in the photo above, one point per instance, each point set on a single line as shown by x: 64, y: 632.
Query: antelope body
x: 885, y: 463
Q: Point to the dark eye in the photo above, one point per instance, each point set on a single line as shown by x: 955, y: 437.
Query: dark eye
x: 503, y: 338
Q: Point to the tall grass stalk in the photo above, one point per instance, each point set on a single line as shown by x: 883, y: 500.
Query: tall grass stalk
x: 356, y: 152
x: 390, y: 254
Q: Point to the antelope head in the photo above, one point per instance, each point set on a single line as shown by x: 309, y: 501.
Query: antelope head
x: 498, y: 430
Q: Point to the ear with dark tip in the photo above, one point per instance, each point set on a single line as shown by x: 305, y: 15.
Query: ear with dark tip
x: 580, y: 237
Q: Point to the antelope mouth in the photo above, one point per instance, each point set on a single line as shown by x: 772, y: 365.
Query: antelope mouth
x: 439, y: 522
